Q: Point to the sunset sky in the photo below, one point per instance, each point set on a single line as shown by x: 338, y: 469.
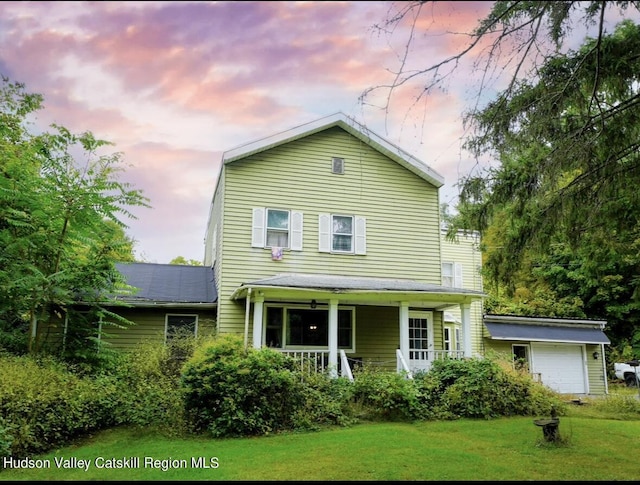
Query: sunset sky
x: 175, y: 84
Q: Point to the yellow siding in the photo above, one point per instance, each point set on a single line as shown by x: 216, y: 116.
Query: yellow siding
x: 466, y: 251
x: 377, y: 335
x: 149, y: 324
x: 401, y: 212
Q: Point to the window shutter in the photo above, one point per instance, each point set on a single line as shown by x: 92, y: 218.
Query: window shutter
x: 257, y: 228
x: 324, y: 233
x: 457, y: 282
x: 361, y: 235
x: 296, y: 231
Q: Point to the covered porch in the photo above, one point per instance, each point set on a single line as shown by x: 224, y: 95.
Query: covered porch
x: 337, y: 321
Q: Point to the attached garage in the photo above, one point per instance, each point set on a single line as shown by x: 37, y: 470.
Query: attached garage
x: 561, y: 367
x: 566, y: 355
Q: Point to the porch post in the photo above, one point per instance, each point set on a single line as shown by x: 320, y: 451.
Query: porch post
x: 465, y: 310
x: 404, y: 330
x: 258, y: 305
x: 333, y: 338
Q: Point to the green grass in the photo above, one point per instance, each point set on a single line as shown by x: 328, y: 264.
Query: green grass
x: 502, y: 449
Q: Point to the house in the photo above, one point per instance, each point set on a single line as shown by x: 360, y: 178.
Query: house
x: 325, y: 242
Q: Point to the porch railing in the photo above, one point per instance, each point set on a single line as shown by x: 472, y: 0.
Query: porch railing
x: 318, y: 361
x: 402, y: 365
x: 435, y: 354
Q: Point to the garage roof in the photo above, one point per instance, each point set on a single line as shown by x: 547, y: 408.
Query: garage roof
x: 565, y: 330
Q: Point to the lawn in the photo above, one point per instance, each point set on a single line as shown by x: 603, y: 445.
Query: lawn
x: 592, y: 448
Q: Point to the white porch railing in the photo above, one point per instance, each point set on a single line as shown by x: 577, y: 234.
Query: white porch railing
x: 431, y: 355
x: 318, y: 361
x: 402, y: 365
x: 310, y: 360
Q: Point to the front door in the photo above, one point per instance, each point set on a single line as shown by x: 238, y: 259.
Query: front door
x: 420, y: 340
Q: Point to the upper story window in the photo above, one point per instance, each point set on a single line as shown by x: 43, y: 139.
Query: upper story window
x: 342, y: 234
x: 452, y: 275
x: 276, y: 228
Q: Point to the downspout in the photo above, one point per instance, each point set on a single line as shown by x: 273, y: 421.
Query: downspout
x: 246, y: 319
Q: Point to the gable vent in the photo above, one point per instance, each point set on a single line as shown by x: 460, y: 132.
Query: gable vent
x: 337, y: 165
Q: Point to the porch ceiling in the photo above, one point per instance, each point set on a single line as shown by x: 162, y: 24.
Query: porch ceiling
x: 357, y: 290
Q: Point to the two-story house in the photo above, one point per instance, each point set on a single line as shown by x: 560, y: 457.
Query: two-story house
x: 325, y: 240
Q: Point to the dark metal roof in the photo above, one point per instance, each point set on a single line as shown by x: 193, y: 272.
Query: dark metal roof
x: 168, y: 283
x: 546, y: 333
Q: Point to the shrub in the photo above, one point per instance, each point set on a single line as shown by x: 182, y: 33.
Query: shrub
x: 230, y: 391
x: 386, y: 395
x: 483, y: 388
x: 42, y: 404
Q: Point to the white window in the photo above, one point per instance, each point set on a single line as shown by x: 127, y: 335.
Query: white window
x: 180, y: 325
x: 452, y: 275
x: 342, y: 234
x: 276, y: 228
x: 302, y: 327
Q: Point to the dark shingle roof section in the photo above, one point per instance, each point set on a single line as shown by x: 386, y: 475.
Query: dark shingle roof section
x: 169, y: 283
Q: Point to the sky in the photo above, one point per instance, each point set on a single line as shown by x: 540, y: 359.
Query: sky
x: 173, y: 85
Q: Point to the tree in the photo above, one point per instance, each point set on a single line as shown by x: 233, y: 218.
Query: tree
x: 560, y: 200
x: 61, y: 206
x: 184, y: 261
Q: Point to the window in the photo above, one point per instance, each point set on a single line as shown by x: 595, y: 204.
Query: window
x: 337, y: 165
x: 452, y: 275
x: 276, y: 228
x: 180, y: 325
x: 302, y: 327
x: 521, y: 357
x: 342, y: 234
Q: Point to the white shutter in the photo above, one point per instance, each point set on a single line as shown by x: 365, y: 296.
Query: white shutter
x: 361, y: 235
x: 258, y: 227
x: 457, y: 282
x: 296, y: 231
x: 324, y: 233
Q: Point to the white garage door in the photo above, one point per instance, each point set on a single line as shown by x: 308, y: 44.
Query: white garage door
x: 561, y: 367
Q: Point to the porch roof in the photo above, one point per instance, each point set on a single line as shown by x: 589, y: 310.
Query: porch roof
x: 356, y: 288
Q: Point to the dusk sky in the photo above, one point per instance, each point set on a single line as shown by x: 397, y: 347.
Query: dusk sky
x: 175, y: 84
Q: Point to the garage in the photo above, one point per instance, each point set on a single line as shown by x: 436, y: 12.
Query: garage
x: 566, y: 354
x: 561, y: 367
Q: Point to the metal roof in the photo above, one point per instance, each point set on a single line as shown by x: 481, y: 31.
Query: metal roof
x: 350, y: 126
x: 168, y: 283
x: 352, y: 284
x: 545, y: 329
x: 545, y: 333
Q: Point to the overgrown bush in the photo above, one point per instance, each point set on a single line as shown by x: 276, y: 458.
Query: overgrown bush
x: 230, y: 391
x: 42, y: 404
x: 483, y: 388
x: 382, y: 395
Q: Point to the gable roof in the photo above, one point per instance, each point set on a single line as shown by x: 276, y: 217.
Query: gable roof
x: 351, y: 126
x: 168, y: 284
